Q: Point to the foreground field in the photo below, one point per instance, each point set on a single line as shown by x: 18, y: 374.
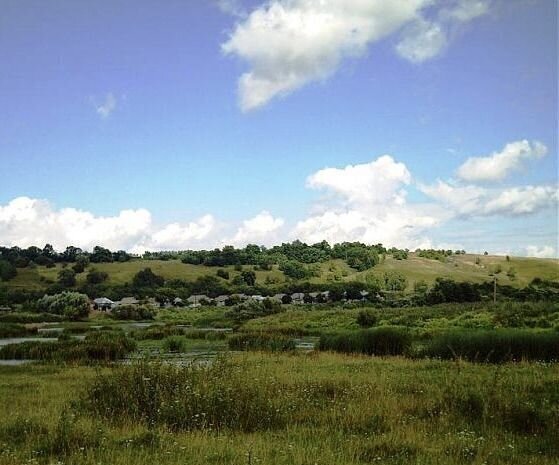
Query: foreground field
x: 304, y: 409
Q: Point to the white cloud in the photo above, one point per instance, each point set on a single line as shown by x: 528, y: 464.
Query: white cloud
x: 261, y: 230
x: 401, y: 227
x: 522, y: 200
x: 498, y: 165
x: 462, y: 200
x: 421, y: 40
x: 230, y: 7
x: 424, y: 39
x: 176, y: 236
x: 545, y: 251
x: 368, y: 204
x: 472, y: 201
x: 289, y: 43
x: 365, y: 202
x: 379, y: 181
x: 105, y: 108
x: 465, y: 10
x: 25, y: 222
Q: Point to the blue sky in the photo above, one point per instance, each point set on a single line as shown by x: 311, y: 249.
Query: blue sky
x: 129, y: 105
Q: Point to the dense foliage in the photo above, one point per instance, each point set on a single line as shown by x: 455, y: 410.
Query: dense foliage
x: 494, y: 346
x: 99, y: 346
x: 72, y: 305
x: 379, y: 341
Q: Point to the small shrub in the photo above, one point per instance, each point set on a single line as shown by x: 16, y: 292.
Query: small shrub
x: 15, y: 330
x: 132, y: 312
x: 261, y: 341
x: 379, y: 341
x: 494, y: 346
x: 367, y: 318
x: 174, y: 344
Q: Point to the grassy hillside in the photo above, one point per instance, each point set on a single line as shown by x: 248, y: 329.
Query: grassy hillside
x: 458, y: 267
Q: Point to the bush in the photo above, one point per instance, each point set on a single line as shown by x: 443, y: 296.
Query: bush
x: 132, y: 312
x: 15, y: 330
x: 21, y: 317
x: 7, y: 270
x: 67, y: 277
x: 494, y: 346
x: 174, y: 344
x: 367, y: 318
x: 261, y: 341
x: 147, y: 278
x: 379, y: 341
x: 96, y: 277
x: 72, y: 305
x: 222, y: 273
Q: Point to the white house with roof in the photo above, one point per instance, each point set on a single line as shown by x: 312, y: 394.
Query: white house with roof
x: 103, y: 303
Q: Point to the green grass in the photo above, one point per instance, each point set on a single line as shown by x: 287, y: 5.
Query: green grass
x: 315, y: 321
x: 457, y: 267
x: 277, y: 409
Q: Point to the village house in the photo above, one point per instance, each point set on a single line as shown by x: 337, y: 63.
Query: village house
x: 197, y: 300
x: 278, y: 297
x: 221, y: 300
x: 298, y: 298
x: 104, y: 304
x: 128, y: 301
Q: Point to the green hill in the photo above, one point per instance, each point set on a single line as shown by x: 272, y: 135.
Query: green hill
x: 474, y: 268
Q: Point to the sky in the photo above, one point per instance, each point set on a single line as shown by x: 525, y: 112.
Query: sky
x: 187, y: 124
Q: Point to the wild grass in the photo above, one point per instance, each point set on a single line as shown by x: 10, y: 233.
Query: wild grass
x: 494, y: 346
x: 431, y: 319
x: 24, y: 317
x: 101, y: 346
x: 15, y: 330
x: 378, y: 341
x: 174, y: 344
x: 280, y: 409
x: 261, y: 341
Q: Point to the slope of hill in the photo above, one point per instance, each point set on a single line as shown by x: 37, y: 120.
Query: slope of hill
x: 474, y: 268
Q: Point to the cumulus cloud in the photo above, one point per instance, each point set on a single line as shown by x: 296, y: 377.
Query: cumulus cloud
x: 421, y: 41
x: 261, y: 230
x: 25, y: 221
x: 289, y: 43
x: 462, y: 200
x: 424, y: 39
x: 499, y: 165
x: 522, y: 200
x: 545, y: 251
x: 465, y: 10
x: 107, y: 106
x: 231, y: 7
x: 367, y: 203
x: 176, y: 236
x: 376, y: 182
x: 472, y: 200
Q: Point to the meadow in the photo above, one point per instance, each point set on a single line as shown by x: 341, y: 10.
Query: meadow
x: 453, y: 384
x: 304, y: 408
x: 468, y: 267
